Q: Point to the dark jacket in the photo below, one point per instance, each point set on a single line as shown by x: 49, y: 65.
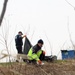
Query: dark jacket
x: 36, y: 48
x: 18, y: 40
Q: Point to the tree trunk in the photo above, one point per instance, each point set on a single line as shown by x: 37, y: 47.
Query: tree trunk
x: 3, y: 11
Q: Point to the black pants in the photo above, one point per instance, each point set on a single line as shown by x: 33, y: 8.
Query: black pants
x: 19, y: 49
x: 42, y: 56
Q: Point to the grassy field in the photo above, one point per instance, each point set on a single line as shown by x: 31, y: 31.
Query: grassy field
x: 58, y: 67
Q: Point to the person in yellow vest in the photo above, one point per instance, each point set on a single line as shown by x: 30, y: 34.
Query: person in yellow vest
x: 36, y: 52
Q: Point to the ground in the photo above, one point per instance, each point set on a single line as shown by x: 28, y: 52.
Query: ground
x: 59, y: 67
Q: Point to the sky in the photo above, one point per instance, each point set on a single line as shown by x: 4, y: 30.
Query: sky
x: 50, y: 20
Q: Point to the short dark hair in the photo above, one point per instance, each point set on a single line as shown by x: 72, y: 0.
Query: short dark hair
x: 20, y: 32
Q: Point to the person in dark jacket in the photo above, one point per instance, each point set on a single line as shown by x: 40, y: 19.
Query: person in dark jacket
x: 36, y: 52
x: 19, y: 41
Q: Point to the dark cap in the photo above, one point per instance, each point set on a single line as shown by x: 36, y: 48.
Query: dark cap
x: 20, y: 32
x: 40, y: 41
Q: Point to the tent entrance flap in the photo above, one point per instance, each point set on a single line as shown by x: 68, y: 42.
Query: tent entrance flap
x: 27, y: 46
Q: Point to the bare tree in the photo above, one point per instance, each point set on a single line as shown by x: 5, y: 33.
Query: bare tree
x: 70, y: 35
x: 3, y: 11
x: 70, y: 4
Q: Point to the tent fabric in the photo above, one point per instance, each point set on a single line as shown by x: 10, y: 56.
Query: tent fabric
x: 27, y: 46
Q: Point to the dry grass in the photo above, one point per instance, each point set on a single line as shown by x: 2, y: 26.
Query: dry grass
x: 59, y: 67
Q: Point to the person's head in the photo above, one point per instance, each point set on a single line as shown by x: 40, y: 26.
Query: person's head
x: 20, y: 33
x: 40, y: 42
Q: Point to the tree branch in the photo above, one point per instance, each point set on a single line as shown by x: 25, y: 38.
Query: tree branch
x: 3, y: 11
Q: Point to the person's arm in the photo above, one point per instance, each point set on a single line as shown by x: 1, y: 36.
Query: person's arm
x: 23, y: 36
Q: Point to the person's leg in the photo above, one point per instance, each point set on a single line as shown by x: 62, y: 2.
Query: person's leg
x: 41, y: 55
x: 19, y: 49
